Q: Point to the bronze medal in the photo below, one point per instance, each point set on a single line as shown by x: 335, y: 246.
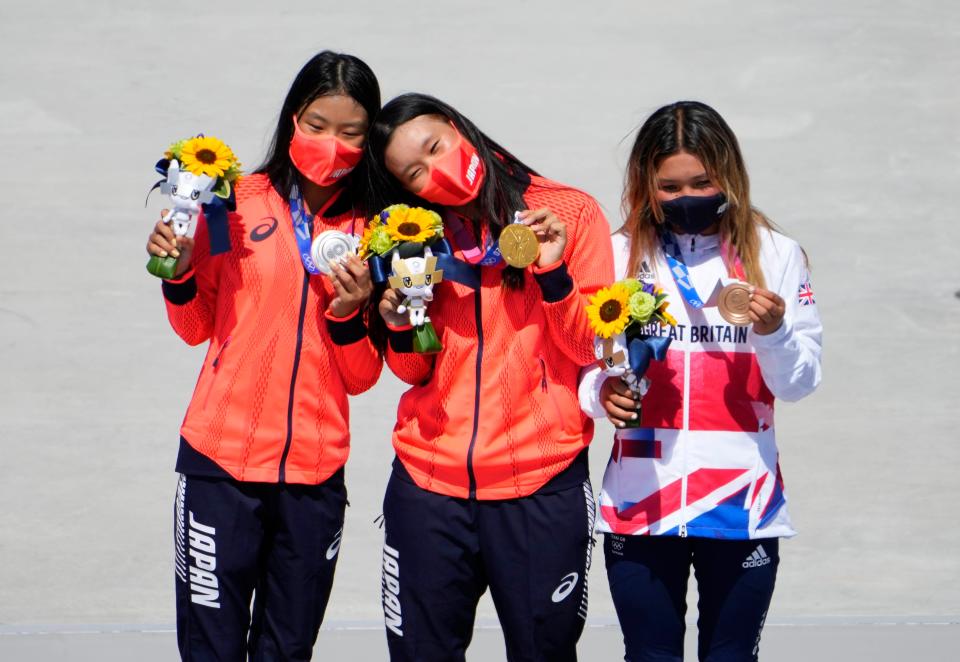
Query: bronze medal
x: 734, y: 304
x: 519, y: 246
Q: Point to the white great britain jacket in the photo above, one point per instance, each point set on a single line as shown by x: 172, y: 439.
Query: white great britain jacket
x: 704, y: 461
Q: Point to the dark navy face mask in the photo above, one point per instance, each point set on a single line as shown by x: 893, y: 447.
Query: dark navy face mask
x: 694, y: 214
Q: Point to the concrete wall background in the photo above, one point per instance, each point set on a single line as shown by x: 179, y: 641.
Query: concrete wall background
x: 847, y: 116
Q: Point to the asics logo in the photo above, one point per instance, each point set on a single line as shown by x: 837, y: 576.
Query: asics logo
x: 565, y: 588
x: 335, y: 545
x: 264, y: 230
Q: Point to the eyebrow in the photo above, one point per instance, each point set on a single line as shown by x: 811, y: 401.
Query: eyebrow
x: 423, y: 146
x: 664, y: 180
x: 314, y: 115
x: 406, y: 171
x: 429, y: 138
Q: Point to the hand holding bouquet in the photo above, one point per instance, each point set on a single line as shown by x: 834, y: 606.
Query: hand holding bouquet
x: 404, y: 234
x: 625, y: 317
x: 199, y: 173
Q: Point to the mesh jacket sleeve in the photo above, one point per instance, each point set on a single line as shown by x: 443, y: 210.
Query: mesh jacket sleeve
x: 191, y: 298
x: 587, y: 266
x: 406, y: 364
x: 355, y: 356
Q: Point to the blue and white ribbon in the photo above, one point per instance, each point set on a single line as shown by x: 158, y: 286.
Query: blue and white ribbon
x: 302, y: 229
x: 679, y: 271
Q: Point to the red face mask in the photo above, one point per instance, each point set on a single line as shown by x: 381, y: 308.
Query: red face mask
x: 456, y: 177
x: 323, y: 159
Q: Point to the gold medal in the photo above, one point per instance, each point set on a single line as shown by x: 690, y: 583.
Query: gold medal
x: 734, y: 304
x: 518, y: 245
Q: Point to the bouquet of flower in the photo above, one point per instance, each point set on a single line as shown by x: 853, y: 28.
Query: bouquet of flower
x: 199, y: 173
x: 620, y: 316
x: 404, y: 234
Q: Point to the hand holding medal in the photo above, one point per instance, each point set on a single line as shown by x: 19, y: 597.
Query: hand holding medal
x: 766, y: 310
x: 542, y: 241
x: 733, y: 302
x: 351, y: 284
x: 738, y: 302
x: 331, y: 248
x: 742, y: 304
x: 519, y: 245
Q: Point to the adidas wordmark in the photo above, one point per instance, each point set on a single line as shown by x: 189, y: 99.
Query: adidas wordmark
x: 757, y: 559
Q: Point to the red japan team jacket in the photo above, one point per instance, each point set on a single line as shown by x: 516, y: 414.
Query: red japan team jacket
x: 271, y: 401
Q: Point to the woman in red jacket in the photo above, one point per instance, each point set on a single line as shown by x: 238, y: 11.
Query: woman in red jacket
x: 490, y: 486
x: 260, y: 501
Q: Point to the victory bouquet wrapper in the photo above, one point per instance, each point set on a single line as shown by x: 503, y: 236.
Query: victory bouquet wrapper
x: 620, y: 316
x: 404, y: 235
x: 199, y: 173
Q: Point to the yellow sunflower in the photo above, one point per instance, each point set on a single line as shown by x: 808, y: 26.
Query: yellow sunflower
x: 173, y: 152
x: 413, y: 224
x: 364, y: 247
x: 609, y: 310
x: 206, y: 155
x: 667, y: 318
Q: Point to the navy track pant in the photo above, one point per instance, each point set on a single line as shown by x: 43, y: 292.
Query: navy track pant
x: 278, y: 543
x: 648, y: 582
x: 441, y: 553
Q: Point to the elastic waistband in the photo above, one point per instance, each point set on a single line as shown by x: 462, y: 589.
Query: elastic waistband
x: 573, y: 475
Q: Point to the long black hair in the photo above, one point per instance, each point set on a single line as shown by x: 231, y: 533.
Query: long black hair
x: 504, y: 184
x: 327, y: 73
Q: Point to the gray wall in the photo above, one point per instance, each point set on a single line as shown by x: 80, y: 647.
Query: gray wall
x: 847, y: 115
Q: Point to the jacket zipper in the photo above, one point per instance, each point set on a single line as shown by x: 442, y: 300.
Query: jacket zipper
x: 293, y: 377
x: 683, y: 433
x: 215, y: 364
x: 476, y: 397
x: 545, y: 388
x: 216, y: 359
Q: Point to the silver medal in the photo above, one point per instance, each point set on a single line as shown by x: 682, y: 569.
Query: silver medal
x: 332, y: 246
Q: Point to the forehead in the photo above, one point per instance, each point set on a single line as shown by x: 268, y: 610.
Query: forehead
x: 337, y: 108
x: 407, y: 140
x: 681, y: 165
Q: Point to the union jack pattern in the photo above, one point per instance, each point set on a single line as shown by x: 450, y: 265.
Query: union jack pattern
x: 739, y: 501
x: 704, y: 461
x: 805, y: 296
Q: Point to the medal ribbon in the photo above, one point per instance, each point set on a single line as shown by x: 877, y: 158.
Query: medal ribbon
x: 453, y: 269
x: 302, y: 229
x: 488, y: 257
x: 303, y: 225
x: 681, y: 274
x: 730, y: 257
x: 215, y: 213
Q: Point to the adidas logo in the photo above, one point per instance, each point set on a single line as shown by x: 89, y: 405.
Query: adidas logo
x: 757, y: 559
